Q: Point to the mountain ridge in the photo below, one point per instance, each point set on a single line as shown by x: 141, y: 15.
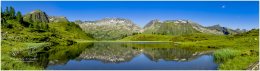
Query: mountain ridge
x: 167, y: 27
x: 109, y: 28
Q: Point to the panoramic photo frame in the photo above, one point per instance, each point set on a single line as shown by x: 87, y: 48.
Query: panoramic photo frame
x: 129, y: 35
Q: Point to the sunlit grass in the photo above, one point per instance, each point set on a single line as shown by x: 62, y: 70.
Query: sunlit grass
x: 147, y: 37
x: 222, y: 55
x: 8, y: 49
x: 239, y: 63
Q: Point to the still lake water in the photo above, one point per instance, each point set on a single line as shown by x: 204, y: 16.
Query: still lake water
x: 124, y: 56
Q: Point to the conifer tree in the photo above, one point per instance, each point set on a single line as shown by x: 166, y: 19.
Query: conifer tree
x: 12, y: 12
x: 6, y: 12
x: 19, y: 17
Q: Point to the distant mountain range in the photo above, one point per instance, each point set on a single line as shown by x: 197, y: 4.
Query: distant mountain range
x: 117, y: 28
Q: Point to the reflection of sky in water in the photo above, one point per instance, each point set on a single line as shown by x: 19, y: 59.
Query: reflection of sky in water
x: 204, y: 62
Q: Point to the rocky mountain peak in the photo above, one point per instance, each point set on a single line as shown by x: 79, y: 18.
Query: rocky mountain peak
x: 36, y: 16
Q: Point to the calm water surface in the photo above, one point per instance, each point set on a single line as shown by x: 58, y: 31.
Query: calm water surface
x: 122, y: 56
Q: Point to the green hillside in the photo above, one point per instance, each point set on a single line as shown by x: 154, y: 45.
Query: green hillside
x: 19, y: 35
x: 37, y: 31
x: 230, y: 50
x: 170, y: 28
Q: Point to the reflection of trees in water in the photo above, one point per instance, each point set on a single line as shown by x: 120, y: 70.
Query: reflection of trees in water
x: 53, y: 55
x: 109, y: 53
x: 62, y: 54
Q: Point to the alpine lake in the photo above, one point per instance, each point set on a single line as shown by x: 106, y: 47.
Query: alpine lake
x: 119, y: 56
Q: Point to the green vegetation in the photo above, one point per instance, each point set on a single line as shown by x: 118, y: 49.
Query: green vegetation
x: 147, y: 37
x: 243, y: 53
x: 225, y: 54
x: 239, y: 62
x: 231, y: 51
x: 171, y: 28
x: 235, y: 52
x: 20, y: 34
x: 235, y: 59
x: 62, y: 54
x: 63, y: 33
x: 10, y: 49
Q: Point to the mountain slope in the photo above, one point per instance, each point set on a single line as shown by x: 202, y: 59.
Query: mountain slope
x: 17, y: 38
x: 109, y: 28
x: 175, y: 27
x: 182, y: 27
x: 41, y: 29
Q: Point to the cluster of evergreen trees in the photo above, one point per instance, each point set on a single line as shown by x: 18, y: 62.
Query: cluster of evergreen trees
x: 10, y: 14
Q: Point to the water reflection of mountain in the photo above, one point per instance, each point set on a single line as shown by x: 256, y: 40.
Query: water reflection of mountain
x: 124, y: 52
x: 110, y: 53
x: 170, y: 54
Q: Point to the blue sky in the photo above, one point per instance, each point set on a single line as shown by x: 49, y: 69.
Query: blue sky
x: 233, y: 14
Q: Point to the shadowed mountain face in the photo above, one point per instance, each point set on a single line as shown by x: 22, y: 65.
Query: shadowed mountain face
x: 109, y: 28
x: 225, y: 30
